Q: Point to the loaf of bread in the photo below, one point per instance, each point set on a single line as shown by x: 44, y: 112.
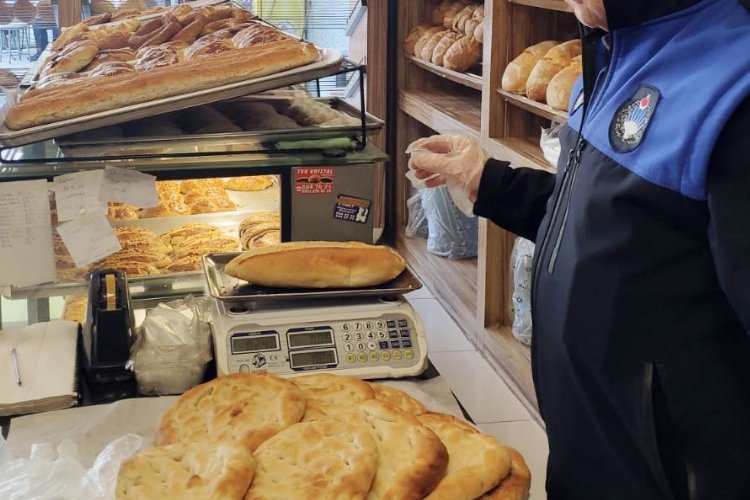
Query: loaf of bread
x: 438, y: 53
x: 318, y: 264
x: 451, y: 13
x: 517, y: 72
x: 559, y: 88
x: 118, y: 91
x: 463, y: 54
x: 430, y: 45
x: 554, y: 61
x: 424, y: 38
x: 413, y: 37
x: 459, y: 22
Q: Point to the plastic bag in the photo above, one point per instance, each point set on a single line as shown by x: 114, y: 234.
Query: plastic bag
x: 550, y: 144
x: 172, y: 347
x: 57, y: 473
x: 417, y: 223
x: 451, y: 233
x: 521, y: 268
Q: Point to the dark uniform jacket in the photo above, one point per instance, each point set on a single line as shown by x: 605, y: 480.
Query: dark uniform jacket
x: 641, y: 289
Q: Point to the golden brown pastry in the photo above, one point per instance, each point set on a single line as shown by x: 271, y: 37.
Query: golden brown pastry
x: 517, y: 72
x: 112, y: 68
x: 122, y: 211
x: 459, y: 22
x: 471, y: 26
x: 451, y: 12
x: 197, y: 51
x: 554, y: 61
x: 438, y: 53
x: 157, y: 56
x: 318, y: 264
x: 438, y: 13
x: 200, y: 185
x: 429, y: 46
x: 397, y: 399
x: 463, y: 54
x: 111, y: 55
x: 73, y: 57
x: 419, y: 44
x: 328, y: 394
x: 558, y: 91
x: 207, y: 206
x: 67, y: 35
x: 516, y: 485
x: 413, y: 36
x: 175, y: 235
x: 249, y: 183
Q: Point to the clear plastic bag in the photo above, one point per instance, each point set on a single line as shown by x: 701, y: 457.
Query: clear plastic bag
x: 57, y: 473
x: 172, y: 347
x: 416, y: 226
x: 451, y: 233
x: 521, y: 268
x: 550, y: 144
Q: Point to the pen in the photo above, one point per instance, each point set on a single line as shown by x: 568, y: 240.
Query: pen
x: 14, y: 356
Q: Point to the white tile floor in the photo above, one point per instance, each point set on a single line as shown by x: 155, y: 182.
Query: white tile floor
x: 480, y: 390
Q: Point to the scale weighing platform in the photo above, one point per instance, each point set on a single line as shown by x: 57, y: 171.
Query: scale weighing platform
x: 367, y: 333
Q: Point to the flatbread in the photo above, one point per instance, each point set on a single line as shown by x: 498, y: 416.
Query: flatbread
x: 478, y: 462
x: 188, y: 472
x: 329, y: 394
x: 516, y: 485
x: 398, y: 399
x: 412, y: 458
x: 249, y: 407
x: 326, y: 459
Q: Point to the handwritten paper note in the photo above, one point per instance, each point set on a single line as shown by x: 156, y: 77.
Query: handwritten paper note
x: 78, y: 194
x: 26, y: 253
x: 89, y: 238
x: 123, y: 185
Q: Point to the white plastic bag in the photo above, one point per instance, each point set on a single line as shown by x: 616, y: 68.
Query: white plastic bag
x: 451, y: 234
x: 521, y: 268
x: 416, y: 227
x: 550, y: 144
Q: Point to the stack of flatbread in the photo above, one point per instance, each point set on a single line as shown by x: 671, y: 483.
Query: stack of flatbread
x: 255, y: 436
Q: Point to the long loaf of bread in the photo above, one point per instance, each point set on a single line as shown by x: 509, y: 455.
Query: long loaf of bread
x: 317, y: 264
x: 115, y: 92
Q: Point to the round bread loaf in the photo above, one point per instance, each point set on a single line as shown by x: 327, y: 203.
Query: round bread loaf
x: 329, y: 394
x: 516, y: 485
x: 397, y: 399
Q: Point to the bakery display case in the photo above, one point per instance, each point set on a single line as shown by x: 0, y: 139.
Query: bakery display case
x: 472, y: 101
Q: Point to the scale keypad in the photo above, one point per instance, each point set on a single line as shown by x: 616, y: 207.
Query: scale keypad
x: 375, y: 341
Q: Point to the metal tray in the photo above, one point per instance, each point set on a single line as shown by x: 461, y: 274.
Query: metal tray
x: 328, y: 64
x: 249, y: 140
x: 229, y: 289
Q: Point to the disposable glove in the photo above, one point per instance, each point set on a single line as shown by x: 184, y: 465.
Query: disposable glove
x: 455, y: 160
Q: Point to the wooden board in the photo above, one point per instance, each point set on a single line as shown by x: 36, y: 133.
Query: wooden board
x: 443, y: 112
x: 467, y: 79
x: 537, y: 108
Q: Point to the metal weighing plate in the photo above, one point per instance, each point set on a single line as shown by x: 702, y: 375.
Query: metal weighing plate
x: 204, y: 143
x: 328, y: 64
x: 227, y: 288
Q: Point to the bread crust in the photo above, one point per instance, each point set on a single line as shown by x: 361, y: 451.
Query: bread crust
x: 329, y: 394
x: 559, y: 88
x: 516, y: 485
x: 554, y: 61
x: 318, y: 264
x: 397, y: 399
x: 517, y: 72
x: 92, y: 97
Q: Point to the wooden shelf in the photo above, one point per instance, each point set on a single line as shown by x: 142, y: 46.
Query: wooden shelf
x: 466, y: 79
x: 443, y: 112
x: 454, y: 282
x: 528, y: 147
x: 535, y: 107
x: 545, y: 4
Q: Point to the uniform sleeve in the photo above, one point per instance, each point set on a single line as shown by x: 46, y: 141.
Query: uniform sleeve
x: 514, y: 198
x: 728, y: 193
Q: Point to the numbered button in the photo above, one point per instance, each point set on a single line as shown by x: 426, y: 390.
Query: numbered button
x: 345, y: 327
x: 357, y: 325
x: 408, y: 354
x: 372, y: 346
x: 396, y: 355
x: 362, y: 357
x: 359, y: 336
x: 348, y: 347
x: 371, y: 335
x: 361, y: 346
x: 385, y: 355
x: 382, y: 335
x: 380, y: 323
x: 368, y: 325
x: 347, y: 337
x: 374, y: 356
x: 350, y: 357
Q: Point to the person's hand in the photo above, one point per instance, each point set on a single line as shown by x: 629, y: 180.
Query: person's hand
x: 448, y: 159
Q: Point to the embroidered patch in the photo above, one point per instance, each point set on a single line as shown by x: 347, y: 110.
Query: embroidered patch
x: 632, y: 119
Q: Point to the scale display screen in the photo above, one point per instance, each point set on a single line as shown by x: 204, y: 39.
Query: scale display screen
x: 254, y: 343
x: 303, y: 359
x: 310, y: 338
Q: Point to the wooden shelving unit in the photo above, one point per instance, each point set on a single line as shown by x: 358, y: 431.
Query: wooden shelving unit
x: 431, y: 99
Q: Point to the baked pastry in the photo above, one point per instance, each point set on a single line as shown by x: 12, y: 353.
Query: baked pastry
x: 430, y: 44
x: 260, y: 229
x: 212, y: 48
x: 397, y: 399
x: 413, y: 36
x: 112, y: 68
x: 201, y: 185
x: 175, y: 235
x: 459, y: 22
x: 123, y: 54
x: 426, y: 35
x: 122, y: 211
x: 517, y: 72
x: 477, y: 463
x: 247, y: 408
x: 438, y: 53
x: 451, y: 12
x: 73, y: 57
x: 219, y: 471
x: 463, y: 54
x: 157, y: 56
x: 249, y: 183
x: 309, y: 112
x: 516, y: 485
x: 413, y: 460
x: 211, y: 205
x: 559, y: 88
x: 317, y: 264
x: 205, y: 243
x: 325, y: 459
x: 329, y: 394
x: 554, y: 61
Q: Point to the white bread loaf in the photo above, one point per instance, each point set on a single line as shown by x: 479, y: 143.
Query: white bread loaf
x: 317, y: 264
x: 517, y: 72
x: 555, y: 60
x: 558, y: 91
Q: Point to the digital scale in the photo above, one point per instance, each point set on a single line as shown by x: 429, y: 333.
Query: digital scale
x: 368, y: 333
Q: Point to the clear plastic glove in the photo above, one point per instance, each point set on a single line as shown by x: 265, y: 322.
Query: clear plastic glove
x: 453, y: 160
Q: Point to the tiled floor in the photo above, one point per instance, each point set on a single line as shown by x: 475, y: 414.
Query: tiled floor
x: 483, y: 394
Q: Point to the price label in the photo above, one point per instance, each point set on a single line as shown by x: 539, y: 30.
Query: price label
x: 124, y: 185
x: 89, y: 238
x: 78, y: 194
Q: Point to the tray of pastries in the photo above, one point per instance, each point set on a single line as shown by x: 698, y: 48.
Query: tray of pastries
x: 235, y: 124
x: 100, y: 75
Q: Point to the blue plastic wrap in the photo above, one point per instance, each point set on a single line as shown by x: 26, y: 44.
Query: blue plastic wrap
x: 451, y: 233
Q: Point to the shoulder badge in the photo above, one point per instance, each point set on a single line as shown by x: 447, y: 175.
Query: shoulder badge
x: 632, y: 119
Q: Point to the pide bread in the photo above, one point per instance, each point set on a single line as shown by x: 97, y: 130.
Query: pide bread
x: 477, y: 463
x: 245, y: 408
x: 516, y: 485
x: 329, y: 394
x: 413, y: 460
x: 103, y: 94
x: 397, y: 399
x: 219, y: 471
x: 327, y: 459
x: 317, y: 264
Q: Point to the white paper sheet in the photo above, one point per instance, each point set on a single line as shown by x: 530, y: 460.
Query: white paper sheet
x: 26, y: 253
x: 124, y: 185
x: 78, y: 194
x: 89, y: 238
